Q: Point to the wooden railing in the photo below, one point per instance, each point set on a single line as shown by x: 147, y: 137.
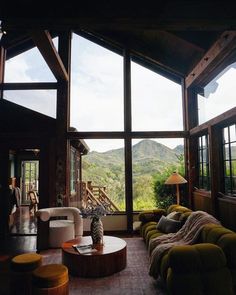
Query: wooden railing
x: 93, y: 195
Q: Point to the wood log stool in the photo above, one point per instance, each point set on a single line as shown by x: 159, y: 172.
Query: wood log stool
x: 22, y: 267
x: 51, y: 279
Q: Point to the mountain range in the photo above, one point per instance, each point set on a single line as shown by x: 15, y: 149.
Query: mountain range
x: 148, y: 156
x: 107, y: 169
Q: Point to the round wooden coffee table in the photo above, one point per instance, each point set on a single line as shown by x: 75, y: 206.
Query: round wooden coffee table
x: 108, y: 259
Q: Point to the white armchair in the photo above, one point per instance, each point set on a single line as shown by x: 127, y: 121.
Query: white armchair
x: 52, y: 233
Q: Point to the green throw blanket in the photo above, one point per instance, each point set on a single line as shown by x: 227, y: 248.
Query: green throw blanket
x: 187, y: 235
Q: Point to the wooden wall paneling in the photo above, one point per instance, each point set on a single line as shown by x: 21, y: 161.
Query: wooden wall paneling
x: 128, y: 141
x: 62, y: 181
x: 4, y: 190
x: 227, y: 212
x: 202, y: 201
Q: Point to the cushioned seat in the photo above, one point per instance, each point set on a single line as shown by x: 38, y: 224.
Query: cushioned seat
x: 66, y: 225
x: 209, y: 265
x: 60, y: 231
x: 51, y: 279
x: 22, y: 267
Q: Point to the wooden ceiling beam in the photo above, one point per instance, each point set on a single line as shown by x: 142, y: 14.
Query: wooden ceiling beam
x: 123, y: 23
x: 43, y: 41
x: 189, y: 44
x: 220, y: 50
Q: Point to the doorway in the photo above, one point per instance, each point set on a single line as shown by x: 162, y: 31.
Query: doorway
x: 24, y: 167
x: 30, y: 179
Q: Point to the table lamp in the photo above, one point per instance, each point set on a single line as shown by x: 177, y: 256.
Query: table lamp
x: 177, y: 179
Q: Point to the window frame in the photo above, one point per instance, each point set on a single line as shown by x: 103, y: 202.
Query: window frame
x: 232, y: 190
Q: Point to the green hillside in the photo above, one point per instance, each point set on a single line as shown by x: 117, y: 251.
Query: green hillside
x: 107, y: 169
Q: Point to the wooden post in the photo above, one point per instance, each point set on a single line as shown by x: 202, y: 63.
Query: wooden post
x: 190, y: 121
x: 62, y: 181
x: 215, y: 139
x: 128, y: 141
x: 2, y: 67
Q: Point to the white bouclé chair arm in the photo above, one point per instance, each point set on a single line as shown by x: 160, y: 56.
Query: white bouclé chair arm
x: 46, y: 213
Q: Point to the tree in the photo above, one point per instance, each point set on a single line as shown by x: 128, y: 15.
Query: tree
x: 165, y: 194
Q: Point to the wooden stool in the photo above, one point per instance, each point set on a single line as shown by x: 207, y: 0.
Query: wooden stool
x: 51, y: 279
x: 22, y: 267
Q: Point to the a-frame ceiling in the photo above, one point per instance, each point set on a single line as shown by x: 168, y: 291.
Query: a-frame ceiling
x: 174, y: 35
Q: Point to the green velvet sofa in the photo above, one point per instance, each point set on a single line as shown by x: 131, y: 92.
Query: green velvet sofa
x: 205, y: 268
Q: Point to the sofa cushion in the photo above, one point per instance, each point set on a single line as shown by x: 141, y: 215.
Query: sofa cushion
x: 167, y: 225
x: 174, y: 215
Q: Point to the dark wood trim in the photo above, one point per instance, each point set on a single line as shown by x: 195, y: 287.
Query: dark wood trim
x: 2, y: 68
x: 127, y: 92
x: 4, y: 190
x: 43, y: 41
x: 63, y: 120
x: 207, y: 66
x: 215, y: 139
x: 129, y: 184
x: 124, y: 19
x: 121, y: 134
x: 128, y: 141
x: 225, y: 118
x: 30, y: 86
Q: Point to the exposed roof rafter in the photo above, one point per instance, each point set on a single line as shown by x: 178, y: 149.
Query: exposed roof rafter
x: 43, y: 41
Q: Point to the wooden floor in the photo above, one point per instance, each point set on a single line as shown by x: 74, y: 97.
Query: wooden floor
x: 134, y: 279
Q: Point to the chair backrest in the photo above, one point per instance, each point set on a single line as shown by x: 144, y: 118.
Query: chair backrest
x: 72, y: 213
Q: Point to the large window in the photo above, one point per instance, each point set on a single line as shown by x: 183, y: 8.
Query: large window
x: 97, y: 87
x: 203, y: 163
x: 151, y: 158
x: 97, y: 104
x: 103, y: 171
x: 229, y: 156
x: 217, y: 96
x: 156, y: 101
x: 35, y: 100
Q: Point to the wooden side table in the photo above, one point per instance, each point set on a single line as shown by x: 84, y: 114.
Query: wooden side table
x: 108, y: 259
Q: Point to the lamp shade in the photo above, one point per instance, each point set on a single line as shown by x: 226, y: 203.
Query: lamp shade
x: 175, y: 178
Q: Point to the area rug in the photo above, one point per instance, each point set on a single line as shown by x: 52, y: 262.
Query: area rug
x: 133, y: 280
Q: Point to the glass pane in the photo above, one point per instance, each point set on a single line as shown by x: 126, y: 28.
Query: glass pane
x: 205, y: 169
x: 226, y: 134
x: 96, y: 87
x: 203, y: 141
x: 29, y: 66
x: 233, y: 150
x: 200, y: 142
x: 233, y: 167
x: 152, y: 96
x: 103, y: 167
x: 204, y: 155
x: 154, y: 160
x: 232, y: 133
x: 200, y: 170
x: 42, y: 101
x: 219, y: 95
x: 227, y: 185
x: 234, y: 185
x: 200, y: 156
x: 227, y: 168
x: 226, y: 151
x: 205, y: 182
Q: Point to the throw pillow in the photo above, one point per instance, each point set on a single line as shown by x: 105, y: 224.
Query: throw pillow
x: 174, y: 215
x: 167, y: 225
